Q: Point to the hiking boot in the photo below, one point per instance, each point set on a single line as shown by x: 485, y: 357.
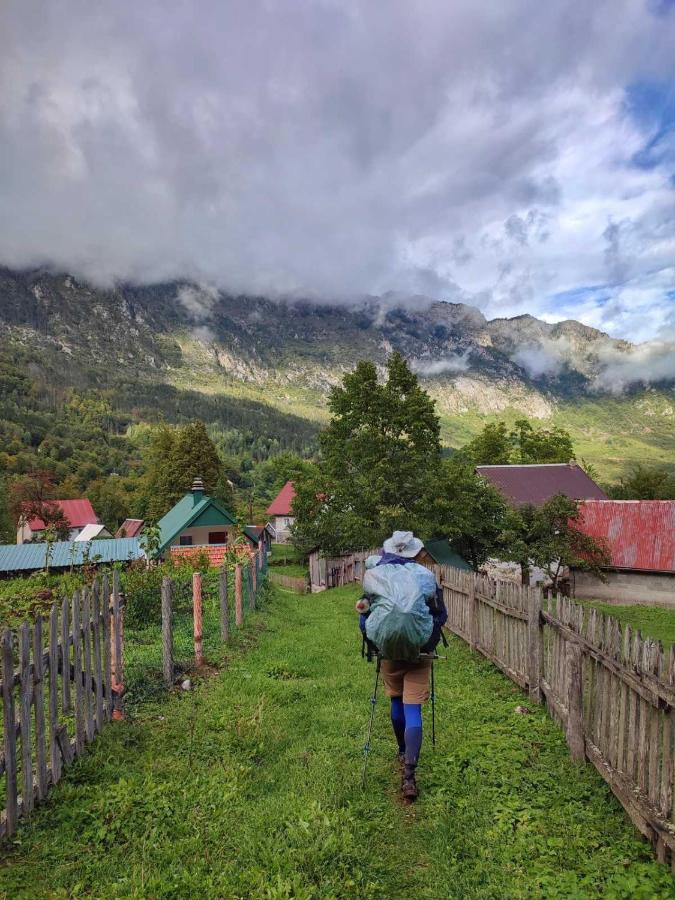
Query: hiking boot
x: 409, y: 786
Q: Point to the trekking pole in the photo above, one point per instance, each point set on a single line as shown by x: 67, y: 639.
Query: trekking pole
x: 373, y: 701
x: 433, y: 706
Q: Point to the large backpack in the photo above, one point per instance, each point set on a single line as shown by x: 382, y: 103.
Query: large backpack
x: 400, y: 622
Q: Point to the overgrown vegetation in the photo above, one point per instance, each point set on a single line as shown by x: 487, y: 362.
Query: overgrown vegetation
x: 250, y: 787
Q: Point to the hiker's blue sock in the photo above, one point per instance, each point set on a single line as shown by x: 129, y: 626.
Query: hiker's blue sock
x: 413, y: 732
x: 398, y: 721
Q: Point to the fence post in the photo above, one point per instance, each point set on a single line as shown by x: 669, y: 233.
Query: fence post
x: 253, y: 582
x: 9, y: 729
x: 473, y: 612
x: 224, y: 609
x: 167, y: 631
x: 197, y: 615
x: 238, y: 611
x: 117, y: 632
x: 535, y: 643
x: 575, y: 720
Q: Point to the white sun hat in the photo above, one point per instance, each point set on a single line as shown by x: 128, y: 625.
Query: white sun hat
x: 403, y: 543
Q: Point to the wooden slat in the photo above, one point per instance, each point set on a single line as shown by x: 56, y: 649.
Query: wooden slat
x: 9, y: 732
x: 25, y: 703
x: 88, y: 696
x: 54, y: 754
x: 65, y: 654
x: 39, y: 707
x: 118, y: 658
x: 642, y: 748
x: 656, y: 665
x: 77, y: 675
x: 575, y: 723
x: 107, y: 649
x: 98, y: 663
x: 667, y: 757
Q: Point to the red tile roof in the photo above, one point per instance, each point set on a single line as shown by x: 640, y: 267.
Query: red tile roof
x: 78, y: 512
x: 640, y: 534
x: 130, y: 528
x: 282, y: 503
x: 538, y: 483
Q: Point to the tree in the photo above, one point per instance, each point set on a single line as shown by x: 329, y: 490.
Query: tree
x: 194, y: 454
x: 7, y: 523
x: 174, y: 458
x: 32, y: 497
x: 644, y: 483
x: 491, y: 447
x: 543, y: 445
x: 111, y: 498
x: 549, y: 536
x: 377, y: 456
x: 496, y: 445
x: 469, y: 511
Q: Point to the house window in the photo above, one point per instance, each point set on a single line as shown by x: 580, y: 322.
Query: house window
x: 287, y: 522
x: 217, y: 537
x: 186, y: 540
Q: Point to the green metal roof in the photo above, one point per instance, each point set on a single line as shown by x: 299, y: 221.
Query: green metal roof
x: 443, y: 554
x: 31, y: 557
x: 186, y: 512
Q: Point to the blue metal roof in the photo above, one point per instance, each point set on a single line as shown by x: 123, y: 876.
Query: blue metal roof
x: 30, y: 557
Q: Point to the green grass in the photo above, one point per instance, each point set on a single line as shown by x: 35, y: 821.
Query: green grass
x: 653, y: 621
x: 285, y: 553
x: 295, y: 570
x: 250, y: 787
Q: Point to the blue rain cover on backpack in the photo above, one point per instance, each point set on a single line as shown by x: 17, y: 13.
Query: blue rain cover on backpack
x: 400, y: 622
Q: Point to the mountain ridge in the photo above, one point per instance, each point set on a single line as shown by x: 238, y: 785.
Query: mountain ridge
x: 290, y: 353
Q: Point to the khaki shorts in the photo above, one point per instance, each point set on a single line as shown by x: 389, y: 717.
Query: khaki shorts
x: 409, y: 680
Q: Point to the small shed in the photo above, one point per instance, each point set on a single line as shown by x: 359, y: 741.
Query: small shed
x: 130, y: 528
x: 19, y: 559
x: 196, y: 520
x: 441, y: 553
x: 640, y: 538
x: 93, y: 532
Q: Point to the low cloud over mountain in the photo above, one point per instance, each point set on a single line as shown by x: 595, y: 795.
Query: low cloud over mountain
x: 514, y: 157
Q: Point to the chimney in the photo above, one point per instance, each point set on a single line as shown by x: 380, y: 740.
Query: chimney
x: 197, y: 490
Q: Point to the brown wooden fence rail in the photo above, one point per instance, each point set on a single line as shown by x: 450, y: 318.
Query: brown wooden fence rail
x: 611, y: 690
x: 296, y: 583
x: 59, y: 680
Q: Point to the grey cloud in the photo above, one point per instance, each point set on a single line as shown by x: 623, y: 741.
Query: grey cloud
x: 453, y: 364
x: 326, y: 150
x: 647, y: 363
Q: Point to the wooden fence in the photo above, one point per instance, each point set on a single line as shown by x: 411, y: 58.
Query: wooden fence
x: 61, y: 679
x: 247, y: 582
x: 611, y: 690
x: 329, y: 572
x: 295, y: 583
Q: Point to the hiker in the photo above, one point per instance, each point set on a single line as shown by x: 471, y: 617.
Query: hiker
x: 406, y: 611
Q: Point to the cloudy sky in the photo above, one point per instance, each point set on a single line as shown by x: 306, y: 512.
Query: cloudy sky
x: 515, y: 155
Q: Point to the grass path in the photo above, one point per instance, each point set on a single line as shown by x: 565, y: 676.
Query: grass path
x: 250, y: 787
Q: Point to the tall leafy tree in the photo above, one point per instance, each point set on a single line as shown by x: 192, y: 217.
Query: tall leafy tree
x: 32, y: 497
x: 498, y: 445
x: 644, y: 483
x: 469, y: 511
x: 549, y: 536
x: 377, y: 456
x: 7, y: 523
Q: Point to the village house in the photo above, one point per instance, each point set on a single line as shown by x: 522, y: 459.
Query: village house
x: 281, y: 515
x: 640, y: 538
x: 534, y: 484
x: 130, y: 528
x: 538, y: 482
x: 78, y: 513
x: 196, y: 521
